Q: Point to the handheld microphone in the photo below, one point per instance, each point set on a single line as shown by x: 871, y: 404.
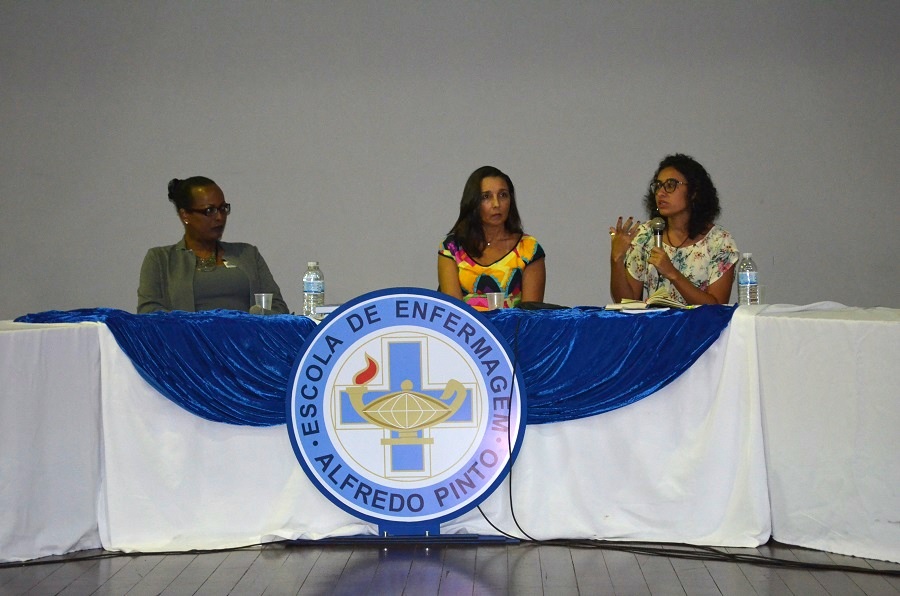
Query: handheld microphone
x: 657, y: 224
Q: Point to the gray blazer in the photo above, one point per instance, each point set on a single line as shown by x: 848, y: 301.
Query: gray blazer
x: 167, y: 276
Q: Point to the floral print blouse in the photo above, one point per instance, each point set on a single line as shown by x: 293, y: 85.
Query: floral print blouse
x: 702, y: 263
x: 503, y: 275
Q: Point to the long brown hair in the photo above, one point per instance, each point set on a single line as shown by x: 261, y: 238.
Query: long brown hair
x: 468, y: 229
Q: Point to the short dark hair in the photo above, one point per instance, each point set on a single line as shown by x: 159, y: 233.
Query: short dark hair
x: 181, y: 191
x: 704, y: 198
x: 468, y: 228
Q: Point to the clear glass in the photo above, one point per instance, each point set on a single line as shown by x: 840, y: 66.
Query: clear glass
x: 264, y: 300
x: 495, y: 300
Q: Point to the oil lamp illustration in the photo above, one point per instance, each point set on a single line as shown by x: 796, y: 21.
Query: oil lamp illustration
x: 406, y: 411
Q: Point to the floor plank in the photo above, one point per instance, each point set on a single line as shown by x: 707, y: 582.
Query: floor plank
x: 262, y: 570
x: 308, y: 569
x: 358, y: 573
x: 162, y: 575
x: 491, y: 569
x: 660, y: 576
x: 192, y: 578
x: 425, y: 571
x: 128, y: 576
x: 835, y: 582
x: 326, y: 571
x: 524, y: 570
x: 694, y: 577
x: 765, y: 580
x: 872, y: 585
x: 557, y: 570
x: 226, y: 576
x: 96, y: 577
x: 392, y: 570
x: 800, y: 581
x: 61, y: 577
x: 458, y: 572
x: 17, y: 580
x: 625, y: 573
x: 591, y: 572
x: 887, y: 566
x: 730, y: 579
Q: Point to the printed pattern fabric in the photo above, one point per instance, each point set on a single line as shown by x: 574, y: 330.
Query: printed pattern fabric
x: 503, y: 275
x: 703, y: 263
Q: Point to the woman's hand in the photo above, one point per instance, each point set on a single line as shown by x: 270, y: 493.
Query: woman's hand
x: 659, y: 259
x: 621, y: 284
x: 620, y: 237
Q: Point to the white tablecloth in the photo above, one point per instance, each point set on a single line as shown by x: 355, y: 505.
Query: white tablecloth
x: 683, y: 465
x: 49, y: 439
x: 832, y: 420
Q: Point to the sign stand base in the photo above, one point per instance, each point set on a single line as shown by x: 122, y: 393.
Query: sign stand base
x: 385, y: 541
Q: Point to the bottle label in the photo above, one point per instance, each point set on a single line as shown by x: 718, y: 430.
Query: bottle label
x: 746, y: 278
x: 314, y: 287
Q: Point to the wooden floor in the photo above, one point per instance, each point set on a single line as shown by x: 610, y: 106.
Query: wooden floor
x: 413, y: 568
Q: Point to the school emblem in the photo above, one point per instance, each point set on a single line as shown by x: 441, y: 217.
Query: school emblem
x: 405, y: 409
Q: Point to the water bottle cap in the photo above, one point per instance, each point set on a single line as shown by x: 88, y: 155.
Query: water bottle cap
x: 746, y: 255
x: 312, y: 263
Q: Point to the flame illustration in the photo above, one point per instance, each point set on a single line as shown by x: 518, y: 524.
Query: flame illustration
x: 368, y: 373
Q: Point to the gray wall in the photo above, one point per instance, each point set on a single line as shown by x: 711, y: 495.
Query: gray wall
x: 344, y: 131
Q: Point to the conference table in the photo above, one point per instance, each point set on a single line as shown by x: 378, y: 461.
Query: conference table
x: 783, y: 427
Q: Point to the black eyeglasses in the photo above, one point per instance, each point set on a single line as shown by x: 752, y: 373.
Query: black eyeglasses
x: 224, y: 208
x: 670, y: 185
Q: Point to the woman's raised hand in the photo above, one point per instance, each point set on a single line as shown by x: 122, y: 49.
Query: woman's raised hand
x: 621, y: 235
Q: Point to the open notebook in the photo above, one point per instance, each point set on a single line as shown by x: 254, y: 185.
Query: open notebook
x: 658, y: 299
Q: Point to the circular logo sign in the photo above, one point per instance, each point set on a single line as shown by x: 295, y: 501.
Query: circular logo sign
x: 405, y: 407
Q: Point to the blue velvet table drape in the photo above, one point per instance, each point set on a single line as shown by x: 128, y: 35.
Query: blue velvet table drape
x: 233, y: 367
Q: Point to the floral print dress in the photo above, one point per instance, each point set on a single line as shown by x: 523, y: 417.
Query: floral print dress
x: 702, y: 263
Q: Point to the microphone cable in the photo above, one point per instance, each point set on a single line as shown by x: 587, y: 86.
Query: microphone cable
x: 509, y: 442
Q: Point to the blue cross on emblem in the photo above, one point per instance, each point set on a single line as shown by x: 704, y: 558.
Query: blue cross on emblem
x: 407, y: 409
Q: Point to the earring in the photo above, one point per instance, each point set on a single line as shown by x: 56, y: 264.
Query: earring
x: 185, y: 221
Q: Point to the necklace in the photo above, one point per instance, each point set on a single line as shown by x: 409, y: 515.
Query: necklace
x: 208, y: 264
x: 669, y: 238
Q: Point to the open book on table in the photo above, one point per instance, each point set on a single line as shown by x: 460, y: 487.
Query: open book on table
x: 658, y: 299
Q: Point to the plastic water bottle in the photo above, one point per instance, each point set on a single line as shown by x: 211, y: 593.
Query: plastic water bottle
x: 748, y: 281
x: 313, y: 289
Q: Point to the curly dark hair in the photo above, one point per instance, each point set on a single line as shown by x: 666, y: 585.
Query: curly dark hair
x: 468, y: 228
x: 181, y: 191
x: 704, y: 199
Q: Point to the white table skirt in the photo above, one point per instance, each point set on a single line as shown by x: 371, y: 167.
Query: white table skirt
x: 832, y: 420
x: 49, y: 439
x: 683, y: 465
